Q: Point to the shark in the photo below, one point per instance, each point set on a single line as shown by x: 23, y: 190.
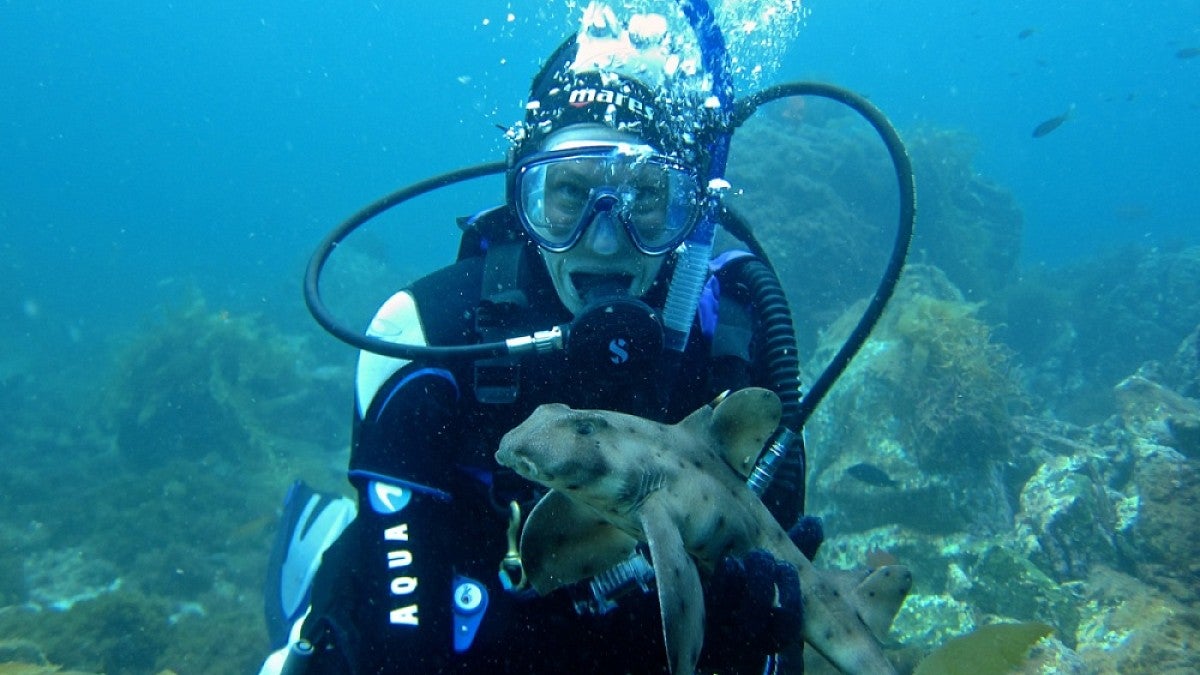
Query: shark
x: 616, y: 480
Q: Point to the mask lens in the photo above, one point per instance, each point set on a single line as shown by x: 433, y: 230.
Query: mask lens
x: 663, y: 206
x: 559, y: 193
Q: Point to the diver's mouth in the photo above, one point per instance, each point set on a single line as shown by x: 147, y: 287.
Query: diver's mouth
x: 590, y: 285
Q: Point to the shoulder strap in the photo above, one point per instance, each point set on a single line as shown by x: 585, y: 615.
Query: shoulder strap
x: 503, y: 284
x: 726, y: 317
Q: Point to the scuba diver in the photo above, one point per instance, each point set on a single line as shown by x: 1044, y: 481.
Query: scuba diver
x: 613, y: 187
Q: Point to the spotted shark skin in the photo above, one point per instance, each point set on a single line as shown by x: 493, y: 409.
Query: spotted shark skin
x: 618, y: 479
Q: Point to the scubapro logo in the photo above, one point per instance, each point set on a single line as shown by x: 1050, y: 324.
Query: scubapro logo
x: 617, y: 352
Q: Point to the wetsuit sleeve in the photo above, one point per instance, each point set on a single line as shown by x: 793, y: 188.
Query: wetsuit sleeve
x: 382, y: 596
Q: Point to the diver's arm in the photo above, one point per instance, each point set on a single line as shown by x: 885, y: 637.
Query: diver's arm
x: 399, y: 467
x: 381, y: 598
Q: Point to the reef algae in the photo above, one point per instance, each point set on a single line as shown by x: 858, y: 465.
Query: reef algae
x: 57, y: 579
x: 157, y: 559
x: 200, y: 381
x: 988, y: 650
x: 119, y: 632
x: 940, y: 395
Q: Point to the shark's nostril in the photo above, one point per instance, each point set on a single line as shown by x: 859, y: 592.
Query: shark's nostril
x: 527, y: 468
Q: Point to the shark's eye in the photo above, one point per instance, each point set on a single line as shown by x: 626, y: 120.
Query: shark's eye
x: 584, y: 427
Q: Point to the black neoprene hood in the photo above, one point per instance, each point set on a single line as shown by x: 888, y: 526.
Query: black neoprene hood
x: 560, y: 97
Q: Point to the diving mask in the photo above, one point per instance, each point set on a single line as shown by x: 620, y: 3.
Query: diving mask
x: 560, y: 192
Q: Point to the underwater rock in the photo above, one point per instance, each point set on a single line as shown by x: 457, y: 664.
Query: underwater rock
x: 967, y: 225
x: 928, y: 621
x: 1129, y: 627
x: 928, y: 404
x: 830, y: 227
x: 57, y: 579
x: 1156, y: 413
x: 1068, y: 518
x: 1088, y: 325
x: 1164, y: 534
x: 1183, y: 370
x: 1007, y: 584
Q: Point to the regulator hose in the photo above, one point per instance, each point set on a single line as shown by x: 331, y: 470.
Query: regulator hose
x: 784, y: 495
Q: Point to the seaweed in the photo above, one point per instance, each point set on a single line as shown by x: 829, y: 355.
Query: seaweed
x: 951, y: 383
x: 200, y: 382
x: 988, y: 650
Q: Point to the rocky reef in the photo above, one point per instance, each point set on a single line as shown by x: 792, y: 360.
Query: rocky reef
x: 136, y: 535
x: 816, y: 184
x: 1004, y: 512
x: 1025, y: 439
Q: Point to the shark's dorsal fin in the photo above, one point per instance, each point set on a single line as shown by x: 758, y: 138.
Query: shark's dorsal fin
x: 876, y: 595
x: 742, y: 423
x: 680, y: 597
x: 564, y: 542
x: 879, y: 596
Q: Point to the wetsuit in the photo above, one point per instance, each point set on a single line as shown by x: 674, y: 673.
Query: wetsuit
x: 433, y: 505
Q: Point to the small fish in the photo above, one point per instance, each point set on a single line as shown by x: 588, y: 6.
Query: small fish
x: 871, y: 475
x: 1053, y: 123
x: 1026, y: 32
x: 1188, y: 53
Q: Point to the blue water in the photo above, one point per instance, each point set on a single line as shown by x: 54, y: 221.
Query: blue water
x: 145, y: 145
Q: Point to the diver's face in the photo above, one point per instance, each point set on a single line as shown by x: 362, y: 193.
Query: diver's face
x: 635, y: 193
x: 604, y: 255
x: 600, y: 193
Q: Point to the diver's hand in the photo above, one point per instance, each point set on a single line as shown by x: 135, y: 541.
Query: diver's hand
x: 753, y: 608
x: 807, y: 534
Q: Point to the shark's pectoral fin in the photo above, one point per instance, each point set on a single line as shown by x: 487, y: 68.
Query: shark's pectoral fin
x: 680, y: 598
x: 563, y: 543
x: 879, y: 596
x: 742, y: 423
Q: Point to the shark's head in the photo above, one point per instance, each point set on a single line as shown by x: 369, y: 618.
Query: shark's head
x: 587, y: 454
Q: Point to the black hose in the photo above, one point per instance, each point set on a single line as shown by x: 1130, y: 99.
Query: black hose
x: 312, y: 276
x: 904, y: 230
x: 784, y: 495
x: 777, y: 336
